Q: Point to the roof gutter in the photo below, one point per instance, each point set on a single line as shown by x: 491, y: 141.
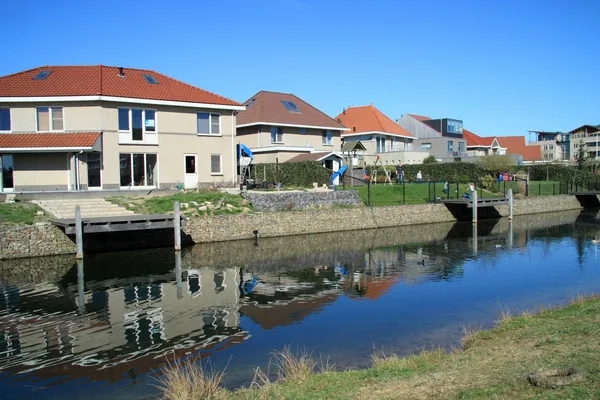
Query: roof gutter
x: 334, y: 128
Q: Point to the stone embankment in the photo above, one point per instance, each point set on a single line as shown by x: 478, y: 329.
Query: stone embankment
x: 33, y: 241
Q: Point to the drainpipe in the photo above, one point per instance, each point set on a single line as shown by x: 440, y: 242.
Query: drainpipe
x: 233, y: 160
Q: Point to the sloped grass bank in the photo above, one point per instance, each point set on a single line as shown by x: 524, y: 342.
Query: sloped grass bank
x: 493, y: 364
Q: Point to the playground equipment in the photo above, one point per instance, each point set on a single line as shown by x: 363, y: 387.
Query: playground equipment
x: 244, y: 161
x: 339, y: 172
x: 388, y: 179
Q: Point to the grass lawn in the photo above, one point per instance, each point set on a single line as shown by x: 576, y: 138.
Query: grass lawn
x: 20, y: 213
x: 164, y: 204
x: 415, y: 193
x: 492, y: 364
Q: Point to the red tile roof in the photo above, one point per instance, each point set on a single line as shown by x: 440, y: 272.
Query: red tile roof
x: 476, y: 140
x: 369, y: 119
x: 25, y: 140
x: 100, y: 80
x: 266, y: 107
x: 516, y: 145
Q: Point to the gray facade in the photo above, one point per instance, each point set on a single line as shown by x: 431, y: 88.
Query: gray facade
x: 439, y: 147
x: 417, y: 128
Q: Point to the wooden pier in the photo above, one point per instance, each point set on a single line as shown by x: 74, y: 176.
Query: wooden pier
x: 485, y: 202
x: 119, y: 224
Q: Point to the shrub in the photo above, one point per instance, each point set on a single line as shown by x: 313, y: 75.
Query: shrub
x: 291, y: 174
x: 430, y: 160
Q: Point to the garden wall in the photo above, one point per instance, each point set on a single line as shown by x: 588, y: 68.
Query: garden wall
x: 292, y: 200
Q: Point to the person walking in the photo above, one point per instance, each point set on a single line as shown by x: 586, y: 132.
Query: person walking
x: 419, y: 177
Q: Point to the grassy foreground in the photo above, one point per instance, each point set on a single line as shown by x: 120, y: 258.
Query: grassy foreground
x: 491, y: 364
x: 20, y: 213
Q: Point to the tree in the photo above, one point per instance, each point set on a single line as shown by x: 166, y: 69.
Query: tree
x: 580, y: 156
x: 429, y: 160
x: 496, y: 163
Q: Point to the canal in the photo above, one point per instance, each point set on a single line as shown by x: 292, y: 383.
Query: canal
x: 105, y: 327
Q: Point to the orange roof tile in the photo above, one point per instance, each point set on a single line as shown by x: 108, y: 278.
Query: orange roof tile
x: 36, y: 140
x: 267, y: 107
x: 369, y: 119
x: 516, y: 145
x: 476, y: 140
x: 102, y: 80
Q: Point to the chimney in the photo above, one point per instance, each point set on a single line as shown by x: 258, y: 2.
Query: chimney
x: 353, y: 129
x: 121, y: 74
x: 344, y: 112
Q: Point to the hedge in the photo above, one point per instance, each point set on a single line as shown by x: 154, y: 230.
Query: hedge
x: 302, y: 173
x: 440, y: 172
x: 562, y: 173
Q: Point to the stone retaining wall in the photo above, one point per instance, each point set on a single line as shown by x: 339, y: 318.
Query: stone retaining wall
x: 33, y: 241
x: 287, y: 201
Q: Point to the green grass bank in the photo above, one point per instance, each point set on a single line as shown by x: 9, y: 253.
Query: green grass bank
x: 492, y: 364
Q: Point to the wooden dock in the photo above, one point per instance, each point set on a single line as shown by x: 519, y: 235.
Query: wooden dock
x: 485, y: 202
x: 120, y: 223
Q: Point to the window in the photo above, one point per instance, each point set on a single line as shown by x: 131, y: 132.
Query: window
x: 150, y: 79
x: 50, y: 119
x: 215, y: 164
x: 208, y: 124
x: 425, y: 146
x: 250, y: 103
x: 461, y: 147
x: 327, y: 137
x: 290, y: 106
x: 276, y: 135
x: 138, y: 169
x: 137, y: 121
x: 4, y: 119
x: 450, y: 146
x: 40, y: 76
x: 303, y: 131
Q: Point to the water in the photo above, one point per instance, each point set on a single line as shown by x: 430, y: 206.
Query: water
x: 103, y: 328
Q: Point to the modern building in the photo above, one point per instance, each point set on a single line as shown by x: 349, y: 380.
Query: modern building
x: 380, y: 135
x: 278, y: 127
x: 100, y: 127
x: 442, y: 138
x: 478, y: 146
x: 516, y: 146
x: 554, y: 146
x: 588, y: 138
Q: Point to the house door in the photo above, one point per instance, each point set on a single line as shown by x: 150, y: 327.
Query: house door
x: 191, y: 171
x: 94, y: 168
x: 7, y: 167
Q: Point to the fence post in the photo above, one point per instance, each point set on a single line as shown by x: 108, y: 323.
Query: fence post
x: 369, y: 194
x: 457, y: 188
x: 526, y: 188
x: 434, y: 198
x: 539, y: 189
x: 403, y: 192
x: 428, y: 191
x: 553, y: 188
x: 474, y: 195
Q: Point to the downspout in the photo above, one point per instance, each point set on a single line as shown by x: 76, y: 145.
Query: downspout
x: 233, y: 160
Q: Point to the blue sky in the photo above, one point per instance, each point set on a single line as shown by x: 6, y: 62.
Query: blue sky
x: 503, y: 67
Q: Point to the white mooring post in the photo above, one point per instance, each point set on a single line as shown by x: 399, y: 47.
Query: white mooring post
x: 80, y: 287
x: 178, y: 274
x: 78, y: 233
x: 510, y: 203
x: 510, y: 234
x: 475, y: 238
x: 177, y: 226
x: 474, y: 196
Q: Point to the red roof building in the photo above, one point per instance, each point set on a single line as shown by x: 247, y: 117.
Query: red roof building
x: 83, y: 127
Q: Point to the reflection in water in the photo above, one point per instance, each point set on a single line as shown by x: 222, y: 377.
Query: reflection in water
x: 119, y: 317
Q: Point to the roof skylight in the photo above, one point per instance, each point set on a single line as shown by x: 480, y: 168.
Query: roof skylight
x: 150, y: 79
x: 290, y: 106
x: 251, y: 102
x: 42, y: 75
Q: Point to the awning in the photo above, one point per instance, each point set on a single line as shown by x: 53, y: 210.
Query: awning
x: 50, y: 142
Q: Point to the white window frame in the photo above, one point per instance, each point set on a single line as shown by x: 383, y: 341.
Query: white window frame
x: 50, y: 122
x: 146, y: 186
x: 10, y: 119
x: 220, y: 173
x: 130, y: 118
x: 210, y: 133
x: 277, y: 128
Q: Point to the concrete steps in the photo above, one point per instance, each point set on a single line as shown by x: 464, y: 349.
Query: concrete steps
x: 65, y: 208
